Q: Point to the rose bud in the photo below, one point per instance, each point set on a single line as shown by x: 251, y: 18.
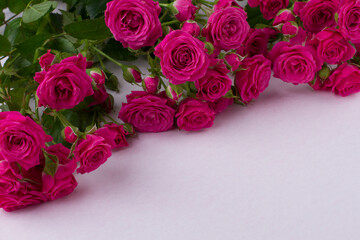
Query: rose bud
x: 184, y: 10
x: 284, y: 16
x: 46, y: 60
x: 151, y: 84
x: 70, y: 135
x: 131, y: 74
x: 290, y: 28
x: 233, y: 60
x: 172, y: 94
x: 98, y: 76
x: 191, y: 27
x: 221, y: 4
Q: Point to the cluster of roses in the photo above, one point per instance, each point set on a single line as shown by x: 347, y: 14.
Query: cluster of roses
x: 33, y: 171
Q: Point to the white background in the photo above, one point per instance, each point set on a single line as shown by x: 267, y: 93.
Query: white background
x: 285, y: 167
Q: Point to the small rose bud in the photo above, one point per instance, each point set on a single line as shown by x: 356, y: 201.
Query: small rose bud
x: 151, y: 84
x: 171, y: 93
x: 284, y: 15
x: 70, y: 135
x: 98, y: 76
x: 191, y: 27
x: 184, y: 10
x: 324, y: 73
x: 131, y: 75
x: 233, y: 60
x: 210, y: 47
x: 290, y: 28
x: 46, y: 60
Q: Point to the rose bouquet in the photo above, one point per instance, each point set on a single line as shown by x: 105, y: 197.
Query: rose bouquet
x: 57, y: 115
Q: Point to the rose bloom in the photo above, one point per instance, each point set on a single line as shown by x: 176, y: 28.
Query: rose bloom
x: 194, y: 115
x: 253, y: 78
x: 91, y: 152
x: 348, y: 21
x: 346, y: 80
x: 294, y: 63
x: 63, y: 182
x: 114, y: 135
x: 186, y: 10
x: 183, y: 58
x: 64, y: 85
x: 191, y: 27
x: 318, y: 14
x: 290, y: 28
x: 255, y: 43
x: 215, y: 84
x: 21, y: 139
x: 46, y: 60
x: 332, y: 47
x: 147, y: 113
x: 100, y: 95
x: 134, y: 23
x: 225, y: 4
x: 283, y: 17
x: 220, y: 104
x: 227, y: 28
x: 21, y: 199
x: 269, y: 8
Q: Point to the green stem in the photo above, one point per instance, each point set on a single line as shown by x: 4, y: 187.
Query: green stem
x: 113, y: 120
x: 107, y: 56
x: 162, y: 82
x: 63, y: 120
x: 166, y: 5
x: 169, y: 23
x: 164, y: 15
x: 207, y: 2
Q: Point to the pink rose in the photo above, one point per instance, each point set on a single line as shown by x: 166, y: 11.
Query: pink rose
x: 255, y: 43
x: 283, y: 17
x: 348, y: 21
x: 192, y: 28
x: 100, y: 95
x: 233, y: 60
x: 63, y: 182
x: 321, y: 84
x: 294, y: 63
x: 22, y: 199
x: 70, y: 135
x: 225, y: 4
x: 147, y: 113
x: 346, y: 80
x: 332, y: 47
x: 46, y: 60
x: 318, y: 14
x: 134, y: 23
x: 186, y: 10
x: 183, y: 58
x: 64, y: 85
x: 269, y: 8
x: 194, y: 115
x: 227, y: 28
x: 215, y: 84
x: 221, y: 104
x: 114, y: 135
x: 253, y: 78
x: 9, y: 182
x: 290, y: 28
x: 136, y: 75
x: 21, y: 139
x: 300, y: 37
x: 298, y: 6
x: 151, y: 84
x: 91, y: 152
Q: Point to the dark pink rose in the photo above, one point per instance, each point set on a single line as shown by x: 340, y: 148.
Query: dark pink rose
x: 21, y: 139
x: 332, y: 47
x: 290, y: 28
x: 64, y: 85
x: 300, y: 37
x: 255, y: 43
x: 294, y: 63
x: 283, y: 17
x: 134, y: 23
x: 192, y: 28
x: 114, y: 134
x: 183, y: 57
x: 253, y: 78
x: 91, y: 152
x: 136, y: 75
x: 298, y: 6
x: 63, y: 182
x: 147, y: 113
x: 227, y: 28
x: 100, y: 95
x: 221, y: 104
x: 151, y: 84
x: 215, y: 84
x: 186, y: 10
x: 346, y: 80
x: 194, y: 115
x: 348, y: 21
x: 9, y: 182
x: 233, y: 60
x: 70, y: 135
x: 46, y: 60
x: 318, y: 14
x: 98, y: 76
x: 21, y: 199
x: 321, y: 84
x: 269, y: 8
x: 225, y: 4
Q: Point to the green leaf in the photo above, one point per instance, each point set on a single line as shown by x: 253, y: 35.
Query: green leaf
x: 5, y: 46
x: 17, y: 32
x: 51, y: 164
x: 34, y: 12
x: 92, y: 29
x: 95, y: 7
x: 17, y: 6
x: 68, y: 17
x: 255, y: 16
x: 2, y: 16
x: 70, y: 3
x: 62, y: 45
x: 29, y: 47
x: 3, y: 4
x: 116, y: 50
x: 112, y: 82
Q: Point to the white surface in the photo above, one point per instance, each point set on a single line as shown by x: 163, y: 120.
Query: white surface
x: 285, y: 167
